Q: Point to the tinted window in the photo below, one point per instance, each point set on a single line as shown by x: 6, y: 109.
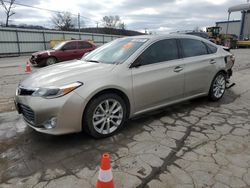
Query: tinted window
x: 211, y: 49
x: 70, y: 46
x: 193, y: 47
x: 164, y: 50
x: 84, y: 45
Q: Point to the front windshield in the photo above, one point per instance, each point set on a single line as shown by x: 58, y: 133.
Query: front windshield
x: 58, y: 46
x: 116, y: 51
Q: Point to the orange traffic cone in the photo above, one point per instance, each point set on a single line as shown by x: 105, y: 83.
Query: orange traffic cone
x: 105, y: 178
x: 27, y: 67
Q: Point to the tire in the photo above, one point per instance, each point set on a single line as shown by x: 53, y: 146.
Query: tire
x: 114, y: 119
x: 218, y: 87
x: 50, y: 61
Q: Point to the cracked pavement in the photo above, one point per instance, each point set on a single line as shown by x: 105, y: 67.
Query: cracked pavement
x: 197, y: 143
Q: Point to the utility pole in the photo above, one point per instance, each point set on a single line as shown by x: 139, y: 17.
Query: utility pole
x: 79, y: 25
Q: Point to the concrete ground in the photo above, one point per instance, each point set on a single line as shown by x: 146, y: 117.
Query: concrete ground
x: 193, y: 144
x: 12, y: 71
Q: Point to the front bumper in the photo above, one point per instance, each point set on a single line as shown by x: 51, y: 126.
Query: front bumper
x: 67, y: 110
x: 36, y: 61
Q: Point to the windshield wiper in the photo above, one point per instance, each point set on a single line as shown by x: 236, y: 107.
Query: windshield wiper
x: 94, y: 61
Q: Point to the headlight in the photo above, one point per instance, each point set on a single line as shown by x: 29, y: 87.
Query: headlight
x: 37, y: 56
x: 55, y: 92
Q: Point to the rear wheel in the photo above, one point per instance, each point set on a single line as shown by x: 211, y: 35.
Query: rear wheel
x: 218, y: 87
x: 104, y: 115
x: 50, y: 61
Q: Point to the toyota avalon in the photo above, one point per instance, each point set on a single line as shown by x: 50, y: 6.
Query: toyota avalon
x: 122, y: 79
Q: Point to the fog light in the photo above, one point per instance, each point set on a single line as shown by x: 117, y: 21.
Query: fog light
x: 51, y: 123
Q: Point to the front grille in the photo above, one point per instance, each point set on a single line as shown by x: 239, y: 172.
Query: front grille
x: 23, y: 91
x: 28, y: 113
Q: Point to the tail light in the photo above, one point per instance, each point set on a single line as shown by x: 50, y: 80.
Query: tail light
x: 230, y: 60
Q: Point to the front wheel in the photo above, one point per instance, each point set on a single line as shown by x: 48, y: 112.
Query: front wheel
x: 218, y: 87
x: 104, y: 115
x: 50, y: 61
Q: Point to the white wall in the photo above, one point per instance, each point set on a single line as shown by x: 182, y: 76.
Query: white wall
x: 233, y: 27
x: 18, y: 41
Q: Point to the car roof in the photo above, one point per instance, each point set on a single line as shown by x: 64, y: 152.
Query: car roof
x: 169, y: 36
x: 76, y: 40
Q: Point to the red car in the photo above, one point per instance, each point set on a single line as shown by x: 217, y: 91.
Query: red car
x: 63, y: 51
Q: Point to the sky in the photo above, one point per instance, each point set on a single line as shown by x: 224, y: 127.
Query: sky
x: 157, y: 16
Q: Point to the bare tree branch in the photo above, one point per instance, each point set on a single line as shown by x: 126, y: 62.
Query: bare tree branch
x: 63, y: 21
x: 113, y: 22
x: 8, y: 6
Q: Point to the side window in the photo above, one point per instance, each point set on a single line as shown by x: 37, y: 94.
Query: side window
x: 70, y: 46
x: 211, y: 49
x: 84, y: 45
x: 192, y: 47
x: 160, y: 51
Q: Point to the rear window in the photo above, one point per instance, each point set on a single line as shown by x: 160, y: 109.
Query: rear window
x: 192, y: 47
x: 211, y: 49
x: 84, y: 45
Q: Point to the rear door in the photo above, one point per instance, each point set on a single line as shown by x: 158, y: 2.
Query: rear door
x: 159, y: 78
x: 200, y: 66
x: 84, y: 47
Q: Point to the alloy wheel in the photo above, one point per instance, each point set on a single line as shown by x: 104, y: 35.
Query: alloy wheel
x: 219, y: 86
x: 50, y: 61
x: 107, y: 116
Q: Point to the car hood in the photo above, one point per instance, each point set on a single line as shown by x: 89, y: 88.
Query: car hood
x: 47, y: 52
x: 66, y: 73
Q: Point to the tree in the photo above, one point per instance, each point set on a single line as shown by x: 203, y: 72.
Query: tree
x: 197, y: 29
x: 113, y: 22
x: 8, y: 10
x: 63, y: 21
x: 122, y: 26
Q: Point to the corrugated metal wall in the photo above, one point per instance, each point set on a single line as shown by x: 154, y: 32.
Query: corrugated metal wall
x: 246, y: 30
x: 19, y: 41
x: 233, y: 27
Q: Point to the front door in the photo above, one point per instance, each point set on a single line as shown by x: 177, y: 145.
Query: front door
x: 69, y: 51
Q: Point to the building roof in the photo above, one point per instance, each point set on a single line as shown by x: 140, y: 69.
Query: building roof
x: 240, y: 7
x: 231, y: 21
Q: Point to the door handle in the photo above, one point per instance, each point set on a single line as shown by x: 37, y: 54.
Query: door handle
x: 178, y: 69
x: 212, y: 61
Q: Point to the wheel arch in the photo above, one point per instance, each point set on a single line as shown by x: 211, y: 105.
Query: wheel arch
x: 111, y: 90
x: 53, y: 56
x: 221, y: 71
